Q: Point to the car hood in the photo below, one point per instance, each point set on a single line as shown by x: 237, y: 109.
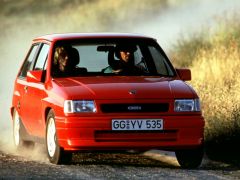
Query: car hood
x: 121, y: 87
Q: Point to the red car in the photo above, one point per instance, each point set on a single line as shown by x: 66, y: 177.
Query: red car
x: 105, y: 92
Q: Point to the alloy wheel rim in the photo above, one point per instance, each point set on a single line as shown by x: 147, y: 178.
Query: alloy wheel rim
x: 51, y: 140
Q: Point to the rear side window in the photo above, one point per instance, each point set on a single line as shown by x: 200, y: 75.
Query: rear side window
x: 41, y: 60
x: 28, y: 61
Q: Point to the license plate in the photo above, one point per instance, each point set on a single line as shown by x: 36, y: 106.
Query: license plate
x: 137, y: 124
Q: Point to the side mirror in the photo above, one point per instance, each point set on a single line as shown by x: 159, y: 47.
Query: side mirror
x: 184, y: 74
x: 34, y: 76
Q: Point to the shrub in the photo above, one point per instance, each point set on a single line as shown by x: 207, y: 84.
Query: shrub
x: 214, y: 58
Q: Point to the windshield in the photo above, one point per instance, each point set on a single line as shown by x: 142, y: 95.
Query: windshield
x: 119, y: 57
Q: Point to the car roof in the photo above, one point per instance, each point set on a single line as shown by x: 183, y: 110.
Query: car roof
x: 69, y: 36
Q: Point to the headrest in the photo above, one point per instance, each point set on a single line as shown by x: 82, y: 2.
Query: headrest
x: 74, y: 56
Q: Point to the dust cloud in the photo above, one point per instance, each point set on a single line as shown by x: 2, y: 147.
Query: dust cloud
x: 167, y: 27
x: 186, y: 20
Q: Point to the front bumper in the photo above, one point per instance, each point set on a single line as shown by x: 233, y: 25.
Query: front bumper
x: 94, y: 133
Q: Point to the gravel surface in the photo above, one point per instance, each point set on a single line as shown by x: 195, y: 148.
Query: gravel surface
x: 150, y: 165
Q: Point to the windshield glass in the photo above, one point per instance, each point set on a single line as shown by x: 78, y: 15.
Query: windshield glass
x: 108, y: 57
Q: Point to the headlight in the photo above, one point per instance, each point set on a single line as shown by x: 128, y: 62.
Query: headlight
x: 79, y: 106
x: 187, y: 105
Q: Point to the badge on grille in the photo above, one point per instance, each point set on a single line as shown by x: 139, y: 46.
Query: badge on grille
x: 132, y: 92
x: 134, y: 108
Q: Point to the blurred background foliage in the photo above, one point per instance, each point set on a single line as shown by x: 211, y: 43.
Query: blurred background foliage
x: 78, y: 15
x: 214, y: 59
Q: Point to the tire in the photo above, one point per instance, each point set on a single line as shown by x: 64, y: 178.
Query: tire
x: 191, y: 158
x: 18, y: 130
x: 56, y: 154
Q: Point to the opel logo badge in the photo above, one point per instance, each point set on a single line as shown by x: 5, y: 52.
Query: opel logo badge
x: 134, y: 108
x: 132, y: 92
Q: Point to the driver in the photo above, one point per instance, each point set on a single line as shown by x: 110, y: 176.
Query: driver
x: 125, y: 64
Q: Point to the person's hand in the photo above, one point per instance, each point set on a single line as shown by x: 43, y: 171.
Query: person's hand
x: 117, y: 71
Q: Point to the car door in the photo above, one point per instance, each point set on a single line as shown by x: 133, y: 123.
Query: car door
x: 21, y: 84
x: 31, y: 102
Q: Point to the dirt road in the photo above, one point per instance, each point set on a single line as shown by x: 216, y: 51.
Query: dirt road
x: 151, y: 165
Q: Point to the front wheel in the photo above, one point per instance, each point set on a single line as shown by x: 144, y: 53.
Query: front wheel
x: 191, y: 158
x: 56, y: 154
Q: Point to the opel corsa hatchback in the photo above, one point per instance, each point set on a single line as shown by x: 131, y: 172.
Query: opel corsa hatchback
x: 105, y: 92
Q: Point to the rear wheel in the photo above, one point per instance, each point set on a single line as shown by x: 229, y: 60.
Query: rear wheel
x: 191, y: 158
x: 56, y: 154
x: 18, y: 129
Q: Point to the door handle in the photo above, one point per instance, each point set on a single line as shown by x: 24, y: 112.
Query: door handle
x: 25, y: 89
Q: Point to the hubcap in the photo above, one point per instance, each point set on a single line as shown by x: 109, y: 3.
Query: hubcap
x: 16, y: 129
x: 51, y: 137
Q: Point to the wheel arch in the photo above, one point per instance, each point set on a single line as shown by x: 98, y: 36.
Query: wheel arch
x: 50, y: 104
x: 12, y: 109
x: 47, y: 110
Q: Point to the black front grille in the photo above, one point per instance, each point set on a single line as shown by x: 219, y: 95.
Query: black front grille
x: 115, y: 108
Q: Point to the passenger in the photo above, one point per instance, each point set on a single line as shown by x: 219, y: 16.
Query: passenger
x: 61, y: 61
x: 65, y: 61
